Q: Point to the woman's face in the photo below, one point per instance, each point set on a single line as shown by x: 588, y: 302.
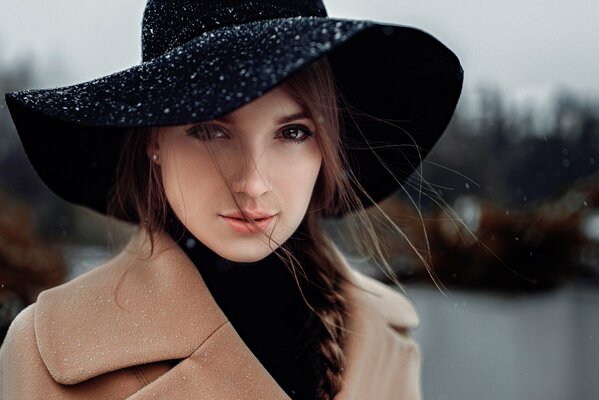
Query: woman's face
x: 267, y: 150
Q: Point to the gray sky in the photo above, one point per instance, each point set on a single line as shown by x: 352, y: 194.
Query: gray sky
x: 517, y: 44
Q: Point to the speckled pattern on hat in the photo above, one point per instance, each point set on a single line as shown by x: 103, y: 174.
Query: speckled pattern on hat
x: 204, y: 59
x: 194, y: 81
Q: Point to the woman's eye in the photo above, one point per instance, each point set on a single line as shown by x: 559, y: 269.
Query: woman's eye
x: 207, y: 132
x: 296, y: 133
x: 210, y: 132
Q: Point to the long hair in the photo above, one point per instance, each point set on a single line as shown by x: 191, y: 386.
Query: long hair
x: 139, y: 194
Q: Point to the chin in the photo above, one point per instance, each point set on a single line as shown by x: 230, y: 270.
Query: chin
x: 241, y: 248
x: 245, y: 254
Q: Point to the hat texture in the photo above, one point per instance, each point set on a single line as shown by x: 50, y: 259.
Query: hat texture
x: 203, y: 59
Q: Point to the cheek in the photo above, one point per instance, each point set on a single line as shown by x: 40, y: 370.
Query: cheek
x: 297, y: 176
x: 189, y: 179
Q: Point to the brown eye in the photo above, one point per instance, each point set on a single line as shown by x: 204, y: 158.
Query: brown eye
x: 208, y: 132
x: 296, y: 133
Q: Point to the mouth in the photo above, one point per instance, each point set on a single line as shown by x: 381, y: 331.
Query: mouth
x: 245, y: 226
x: 248, y: 220
x: 254, y: 215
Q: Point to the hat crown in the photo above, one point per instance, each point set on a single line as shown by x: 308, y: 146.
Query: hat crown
x: 171, y: 23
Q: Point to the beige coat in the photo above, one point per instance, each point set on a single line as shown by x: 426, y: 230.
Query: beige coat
x: 93, y: 338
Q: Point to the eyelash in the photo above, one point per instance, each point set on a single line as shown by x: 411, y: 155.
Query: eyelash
x: 307, y: 133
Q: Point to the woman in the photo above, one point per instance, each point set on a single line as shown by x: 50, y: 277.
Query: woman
x: 246, y: 125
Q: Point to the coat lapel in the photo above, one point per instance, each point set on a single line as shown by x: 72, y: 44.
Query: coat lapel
x: 133, y: 310
x: 138, y: 309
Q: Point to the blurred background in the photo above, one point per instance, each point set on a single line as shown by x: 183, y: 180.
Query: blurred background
x: 512, y: 313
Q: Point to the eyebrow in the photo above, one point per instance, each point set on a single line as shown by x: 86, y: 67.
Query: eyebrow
x: 282, y: 120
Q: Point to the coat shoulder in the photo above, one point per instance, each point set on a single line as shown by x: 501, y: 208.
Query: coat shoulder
x: 19, y: 340
x: 395, y: 307
x: 383, y: 357
x: 23, y: 374
x: 20, y: 334
x: 391, y: 305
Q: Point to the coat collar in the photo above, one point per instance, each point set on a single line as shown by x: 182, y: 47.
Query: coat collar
x: 138, y: 309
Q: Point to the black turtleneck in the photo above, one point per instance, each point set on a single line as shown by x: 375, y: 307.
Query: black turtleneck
x: 265, y: 306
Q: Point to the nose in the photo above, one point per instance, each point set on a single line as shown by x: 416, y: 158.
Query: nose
x: 250, y: 179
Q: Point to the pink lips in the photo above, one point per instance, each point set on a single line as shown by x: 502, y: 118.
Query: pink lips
x: 236, y: 221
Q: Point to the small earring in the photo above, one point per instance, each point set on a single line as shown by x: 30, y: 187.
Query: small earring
x: 155, y: 157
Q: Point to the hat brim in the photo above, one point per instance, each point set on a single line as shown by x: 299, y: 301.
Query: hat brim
x: 390, y: 72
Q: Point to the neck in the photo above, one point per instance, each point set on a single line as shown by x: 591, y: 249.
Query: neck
x: 230, y: 282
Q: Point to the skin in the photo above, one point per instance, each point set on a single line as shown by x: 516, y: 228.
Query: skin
x: 263, y: 158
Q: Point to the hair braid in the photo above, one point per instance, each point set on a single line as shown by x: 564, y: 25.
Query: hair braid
x: 326, y: 297
x: 331, y: 343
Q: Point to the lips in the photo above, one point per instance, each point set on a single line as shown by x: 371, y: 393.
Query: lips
x: 246, y: 220
x: 255, y: 215
x: 243, y: 226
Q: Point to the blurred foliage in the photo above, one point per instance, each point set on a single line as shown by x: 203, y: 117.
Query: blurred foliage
x: 524, y: 185
x: 476, y: 244
x: 512, y: 154
x: 28, y: 264
x: 488, y: 247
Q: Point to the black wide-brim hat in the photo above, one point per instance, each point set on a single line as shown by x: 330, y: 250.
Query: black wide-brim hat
x: 203, y: 59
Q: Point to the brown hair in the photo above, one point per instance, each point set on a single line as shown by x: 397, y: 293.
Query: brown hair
x: 139, y: 194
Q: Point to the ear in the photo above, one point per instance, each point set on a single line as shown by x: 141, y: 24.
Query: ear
x: 152, y: 150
